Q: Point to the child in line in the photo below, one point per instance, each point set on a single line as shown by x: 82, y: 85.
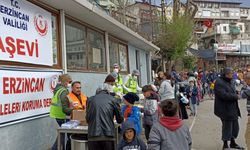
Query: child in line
x: 150, y: 108
x: 131, y: 112
x: 192, y: 92
x: 169, y: 133
x: 130, y: 140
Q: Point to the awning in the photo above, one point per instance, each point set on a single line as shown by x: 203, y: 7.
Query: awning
x: 207, y: 54
x: 92, y: 15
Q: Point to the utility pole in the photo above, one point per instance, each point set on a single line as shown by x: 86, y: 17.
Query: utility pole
x: 216, y: 49
x: 151, y: 20
x: 162, y: 11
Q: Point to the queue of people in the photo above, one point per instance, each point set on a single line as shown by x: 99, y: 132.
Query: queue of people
x: 165, y: 105
x: 115, y: 100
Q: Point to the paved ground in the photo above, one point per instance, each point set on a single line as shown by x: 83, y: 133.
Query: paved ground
x: 206, y: 130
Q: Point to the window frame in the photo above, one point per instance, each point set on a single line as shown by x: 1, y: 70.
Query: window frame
x: 82, y: 27
x: 87, y: 27
x: 119, y: 42
x: 88, y: 56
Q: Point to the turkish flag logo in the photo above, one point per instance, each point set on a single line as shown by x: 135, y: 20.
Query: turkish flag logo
x: 208, y: 23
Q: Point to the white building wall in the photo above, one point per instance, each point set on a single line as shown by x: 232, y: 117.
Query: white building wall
x: 89, y: 81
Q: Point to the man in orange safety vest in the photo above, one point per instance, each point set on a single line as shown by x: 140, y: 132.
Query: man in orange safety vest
x: 76, y: 98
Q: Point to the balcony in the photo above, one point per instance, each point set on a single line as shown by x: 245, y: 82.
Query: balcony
x: 234, y: 30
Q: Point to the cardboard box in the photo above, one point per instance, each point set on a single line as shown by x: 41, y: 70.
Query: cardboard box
x: 80, y: 116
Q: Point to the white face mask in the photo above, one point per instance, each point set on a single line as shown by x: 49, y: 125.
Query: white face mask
x: 69, y: 85
x: 110, y: 88
x: 116, y: 70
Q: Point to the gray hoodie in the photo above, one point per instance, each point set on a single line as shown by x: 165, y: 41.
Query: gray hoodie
x: 162, y: 138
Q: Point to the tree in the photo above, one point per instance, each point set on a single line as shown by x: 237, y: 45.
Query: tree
x: 175, y: 38
x: 122, y: 8
x: 189, y: 62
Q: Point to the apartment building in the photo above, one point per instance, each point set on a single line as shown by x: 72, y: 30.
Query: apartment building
x: 223, y: 27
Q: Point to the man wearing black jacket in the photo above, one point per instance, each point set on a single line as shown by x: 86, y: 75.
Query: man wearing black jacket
x: 101, y: 110
x: 227, y: 109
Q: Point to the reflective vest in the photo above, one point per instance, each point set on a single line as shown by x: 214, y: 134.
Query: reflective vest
x: 56, y: 105
x: 131, y: 84
x: 75, y: 102
x: 118, y: 85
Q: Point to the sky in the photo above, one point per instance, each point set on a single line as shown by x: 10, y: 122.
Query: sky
x: 245, y: 3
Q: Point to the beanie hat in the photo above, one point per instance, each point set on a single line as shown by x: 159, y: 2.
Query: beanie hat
x: 64, y: 78
x: 131, y: 97
x: 116, y: 65
x: 109, y: 79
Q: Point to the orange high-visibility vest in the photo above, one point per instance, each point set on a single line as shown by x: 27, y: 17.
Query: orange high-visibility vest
x: 75, y: 102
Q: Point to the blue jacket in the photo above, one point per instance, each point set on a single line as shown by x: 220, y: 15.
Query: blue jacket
x: 134, y: 117
x: 137, y: 143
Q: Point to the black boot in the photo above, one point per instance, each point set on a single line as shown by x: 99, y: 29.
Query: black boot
x: 225, y: 146
x: 234, y: 145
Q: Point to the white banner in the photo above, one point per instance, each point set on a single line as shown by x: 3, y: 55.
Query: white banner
x: 25, y: 94
x: 26, y: 34
x: 227, y: 47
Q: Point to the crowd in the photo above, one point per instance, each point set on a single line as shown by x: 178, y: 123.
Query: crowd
x: 165, y: 104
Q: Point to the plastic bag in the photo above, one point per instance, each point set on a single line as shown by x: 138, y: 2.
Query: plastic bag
x: 184, y: 99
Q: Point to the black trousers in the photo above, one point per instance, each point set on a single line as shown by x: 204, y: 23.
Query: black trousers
x: 147, y: 130
x: 230, y: 129
x: 99, y: 145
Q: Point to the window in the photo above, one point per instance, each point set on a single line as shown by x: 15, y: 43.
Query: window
x: 113, y: 52
x: 224, y: 13
x: 202, y: 5
x: 216, y: 5
x: 224, y: 28
x: 209, y: 5
x: 206, y: 13
x: 84, y: 47
x: 231, y: 14
x: 241, y: 28
x: 118, y: 53
x: 237, y: 13
x: 76, y: 45
x: 55, y: 48
x: 205, y: 5
x: 96, y: 53
x: 123, y: 57
x: 199, y: 13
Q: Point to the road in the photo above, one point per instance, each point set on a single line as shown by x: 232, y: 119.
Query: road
x: 206, y: 130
